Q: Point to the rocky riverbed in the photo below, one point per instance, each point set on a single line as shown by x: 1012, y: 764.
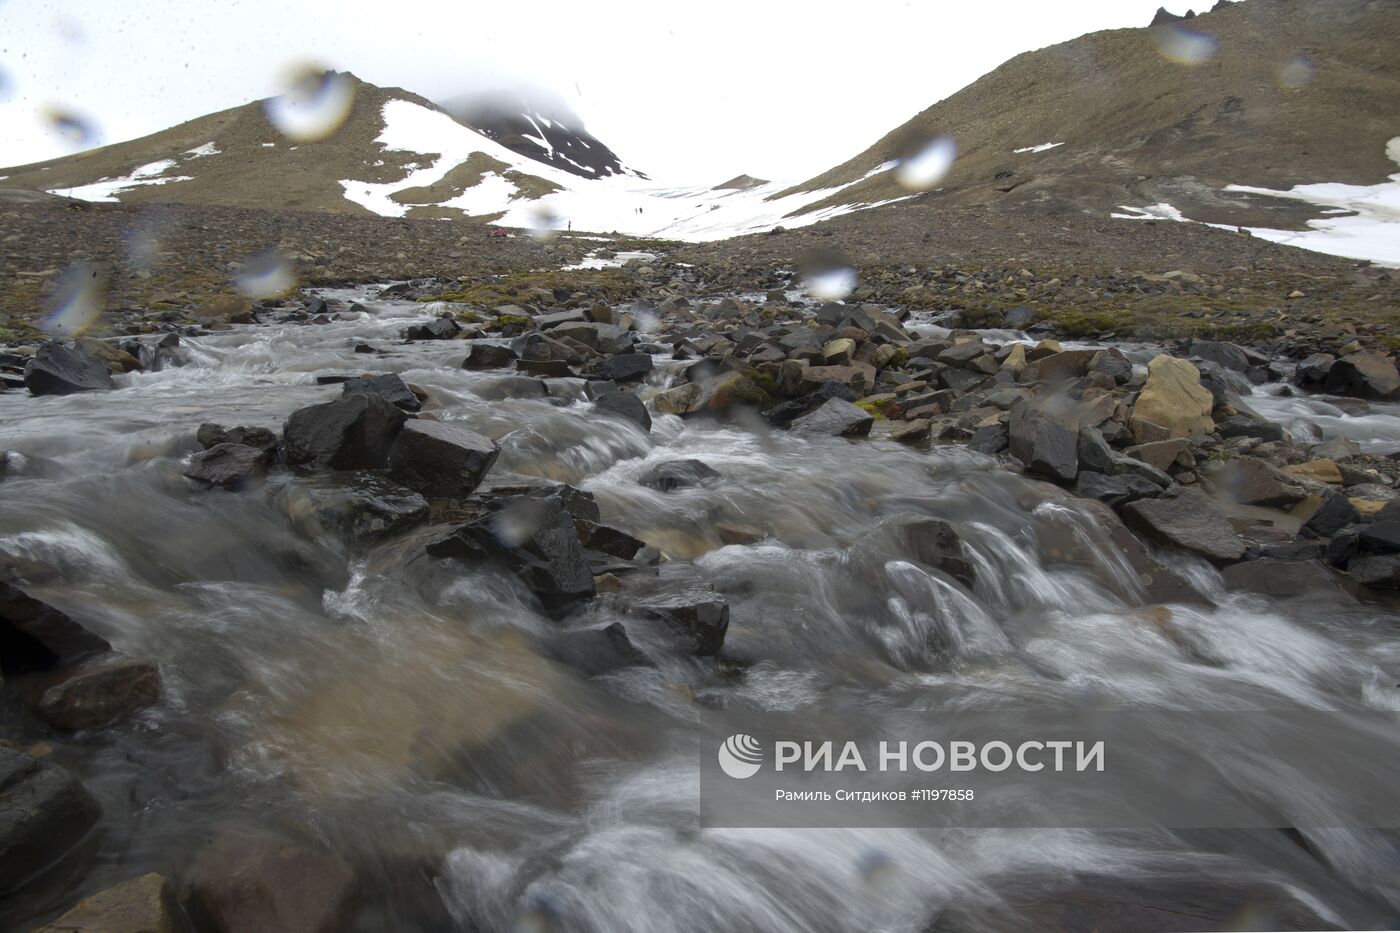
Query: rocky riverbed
x: 410, y: 605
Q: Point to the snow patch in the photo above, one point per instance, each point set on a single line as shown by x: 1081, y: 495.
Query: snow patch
x: 1041, y: 148
x: 199, y: 152
x: 593, y: 261
x: 152, y: 173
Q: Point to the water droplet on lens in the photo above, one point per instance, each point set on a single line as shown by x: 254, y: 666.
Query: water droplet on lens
x: 265, y: 275
x: 873, y: 864
x: 927, y: 165
x: 72, y: 128
x: 314, y: 105
x: 544, y: 222
x: 79, y: 296
x: 1297, y: 73
x: 1184, y: 46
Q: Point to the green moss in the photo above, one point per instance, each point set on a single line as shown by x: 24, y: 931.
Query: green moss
x: 502, y: 321
x: 1089, y: 323
x: 469, y: 317
x: 881, y: 410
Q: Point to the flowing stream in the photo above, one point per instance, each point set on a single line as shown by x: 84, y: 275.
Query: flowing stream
x: 402, y: 711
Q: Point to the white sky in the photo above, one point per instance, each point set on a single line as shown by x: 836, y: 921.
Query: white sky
x: 693, y: 92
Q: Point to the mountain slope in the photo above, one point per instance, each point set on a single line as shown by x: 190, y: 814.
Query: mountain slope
x: 547, y: 133
x: 1269, y: 93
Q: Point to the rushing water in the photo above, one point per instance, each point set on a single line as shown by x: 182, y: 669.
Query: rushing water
x: 403, y: 711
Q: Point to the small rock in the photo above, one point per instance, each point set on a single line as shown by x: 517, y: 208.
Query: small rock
x: 677, y: 474
x: 680, y: 597
x: 233, y: 466
x: 596, y: 651
x: 1044, y: 443
x: 625, y: 405
x: 98, y: 693
x: 488, y: 356
x: 835, y: 418
x: 1381, y: 571
x: 141, y: 905
x: 212, y: 435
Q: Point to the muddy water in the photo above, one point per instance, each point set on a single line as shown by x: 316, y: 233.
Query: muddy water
x: 404, y: 713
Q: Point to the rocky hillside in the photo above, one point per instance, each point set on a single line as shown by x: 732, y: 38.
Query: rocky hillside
x: 1268, y: 93
x: 553, y: 135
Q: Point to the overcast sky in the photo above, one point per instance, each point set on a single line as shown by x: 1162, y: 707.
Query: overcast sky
x: 684, y: 91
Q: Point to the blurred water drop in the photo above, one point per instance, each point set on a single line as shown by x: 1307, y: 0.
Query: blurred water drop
x: 544, y: 222
x: 873, y: 865
x: 4, y: 85
x: 1184, y: 46
x: 69, y: 126
x: 1297, y: 73
x: 79, y: 296
x: 827, y: 274
x: 927, y: 166
x: 314, y: 106
x: 645, y: 321
x: 265, y: 275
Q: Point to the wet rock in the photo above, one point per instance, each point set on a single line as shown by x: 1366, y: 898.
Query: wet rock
x: 1158, y: 581
x: 1058, y: 367
x: 443, y: 328
x: 1332, y: 514
x: 44, y: 812
x: 98, y: 693
x: 1094, y: 453
x: 1112, y: 363
x: 353, y: 432
x: 1160, y: 454
x: 1317, y: 471
x: 1124, y: 465
x: 34, y: 636
x: 1018, y: 318
x: 1251, y: 426
x: 989, y: 439
x: 1115, y: 491
x: 625, y: 405
x: 1251, y: 481
x: 212, y: 435
x: 488, y: 356
x: 1282, y: 579
x: 596, y: 650
x: 230, y: 466
x: 513, y: 387
x: 912, y: 432
x: 785, y: 413
x: 1367, y: 374
x: 534, y: 537
x: 360, y: 507
x: 1187, y: 519
x: 714, y: 395
x: 625, y: 367
x: 1044, y: 443
x: 1312, y: 372
x: 935, y: 543
x: 606, y: 539
x: 440, y: 459
x: 1174, y: 398
x: 56, y: 369
x: 835, y: 418
x: 689, y: 606
x: 1381, y: 536
x: 388, y: 386
x: 255, y: 882
x: 140, y: 905
x: 677, y: 474
x: 557, y: 318
x: 1338, y: 449
x: 1379, y: 571
x: 1229, y: 355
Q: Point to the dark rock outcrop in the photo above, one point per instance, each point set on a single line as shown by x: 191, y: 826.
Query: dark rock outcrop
x: 44, y: 812
x: 57, y: 369
x: 439, y: 459
x: 353, y: 432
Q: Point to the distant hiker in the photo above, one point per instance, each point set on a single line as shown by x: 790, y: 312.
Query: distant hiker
x: 571, y: 226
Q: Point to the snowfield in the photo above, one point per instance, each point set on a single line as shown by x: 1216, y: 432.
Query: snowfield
x: 1371, y: 229
x: 152, y: 173
x: 623, y: 203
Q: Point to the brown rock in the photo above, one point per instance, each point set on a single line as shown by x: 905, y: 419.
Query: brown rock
x: 141, y: 905
x: 259, y: 883
x: 99, y: 693
x: 1174, y: 398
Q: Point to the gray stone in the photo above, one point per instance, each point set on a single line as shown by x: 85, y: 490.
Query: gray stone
x: 228, y: 465
x: 353, y: 432
x: 440, y: 459
x: 388, y: 386
x: 1187, y: 519
x: 488, y: 356
x: 44, y: 812
x: 34, y: 636
x: 56, y: 369
x: 1045, y: 445
x: 835, y: 418
x: 625, y: 405
x: 98, y: 693
x: 689, y: 606
x: 677, y: 474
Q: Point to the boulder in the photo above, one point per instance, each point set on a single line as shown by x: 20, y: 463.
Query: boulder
x: 596, y: 650
x: 227, y: 309
x: 1379, y: 571
x: 835, y: 418
x: 1251, y: 481
x: 354, y: 432
x: 388, y: 386
x: 1174, y: 398
x: 212, y: 435
x: 1160, y: 454
x: 606, y: 539
x: 688, y: 605
x: 251, y: 881
x: 935, y: 543
x: 1044, y: 443
x: 34, y: 636
x: 1367, y: 374
x: 1317, y: 471
x: 533, y: 536
x: 44, y: 812
x: 232, y: 466
x: 1332, y: 514
x: 1058, y: 367
x: 1112, y: 363
x: 1187, y: 519
x: 625, y: 405
x: 488, y: 356
x: 1251, y: 426
x: 442, y: 328
x: 440, y: 459
x: 625, y: 367
x: 98, y: 693
x: 140, y: 905
x: 1229, y: 355
x: 1312, y: 372
x: 677, y: 474
x: 1282, y: 579
x: 1115, y: 491
x: 57, y: 369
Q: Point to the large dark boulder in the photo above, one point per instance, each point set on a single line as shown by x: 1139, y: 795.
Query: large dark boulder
x: 1335, y: 513
x: 233, y: 466
x: 677, y: 474
x: 625, y: 405
x: 1251, y: 426
x: 694, y: 614
x: 1312, y: 372
x: 388, y: 386
x: 1115, y: 491
x: 535, y: 538
x: 34, y: 636
x: 1367, y: 374
x: 98, y: 693
x: 785, y: 413
x: 1381, y: 571
x: 360, y: 507
x: 44, y: 812
x: 1046, y: 445
x: 442, y: 328
x: 57, y: 369
x: 488, y: 356
x: 1252, y: 481
x: 625, y: 367
x: 1187, y: 519
x: 439, y: 459
x: 835, y: 418
x: 353, y: 432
